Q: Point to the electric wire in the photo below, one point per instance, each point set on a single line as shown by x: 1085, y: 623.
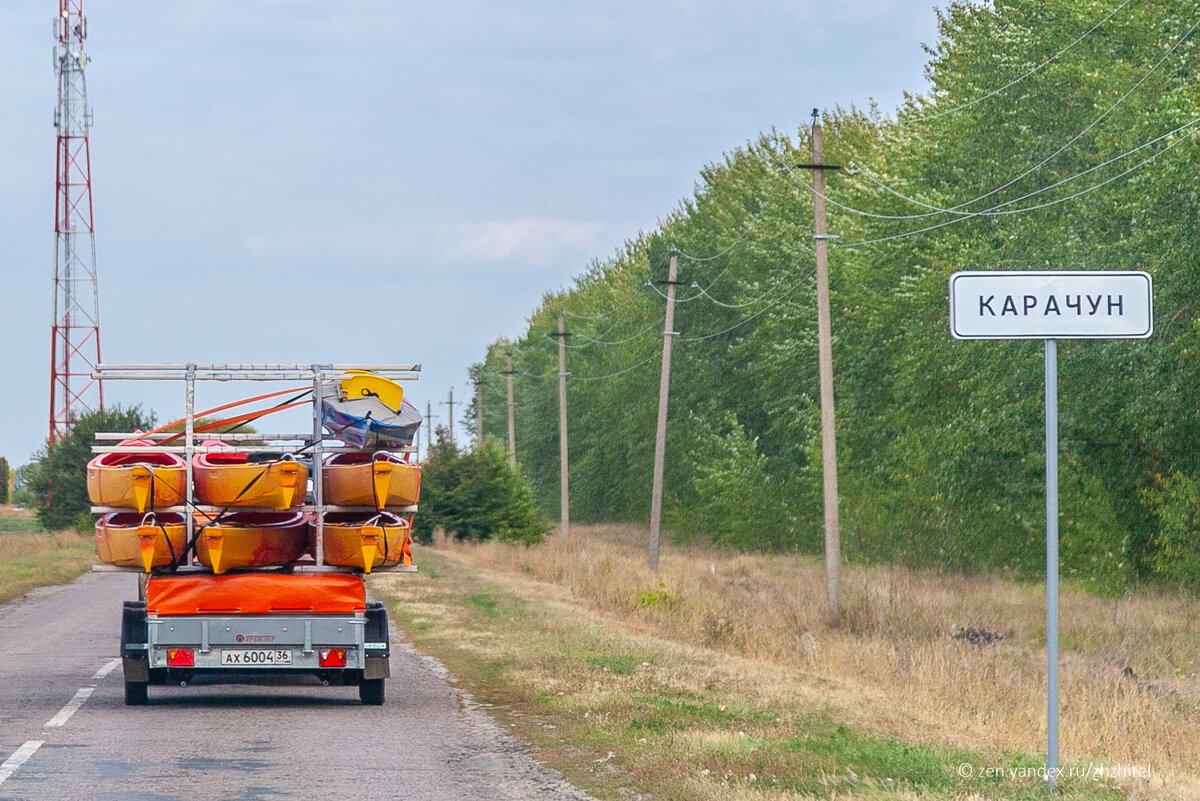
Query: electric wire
x: 651, y: 358
x: 959, y: 208
x: 995, y: 210
x: 757, y: 300
x: 758, y: 313
x: 1015, y: 81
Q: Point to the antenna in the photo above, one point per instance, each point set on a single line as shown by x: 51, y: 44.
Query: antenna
x: 75, y: 333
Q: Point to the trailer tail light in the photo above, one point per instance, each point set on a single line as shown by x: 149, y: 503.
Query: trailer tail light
x: 181, y: 657
x: 332, y: 657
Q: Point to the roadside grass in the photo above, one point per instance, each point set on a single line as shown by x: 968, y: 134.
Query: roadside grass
x: 626, y: 712
x: 30, y: 557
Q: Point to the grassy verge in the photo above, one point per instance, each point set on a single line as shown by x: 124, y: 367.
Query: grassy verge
x: 626, y: 713
x: 30, y: 557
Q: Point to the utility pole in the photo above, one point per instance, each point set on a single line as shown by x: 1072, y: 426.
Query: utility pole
x: 478, y: 408
x: 512, y: 428
x: 450, y: 403
x: 833, y: 548
x: 660, y: 433
x: 564, y: 495
x: 428, y: 427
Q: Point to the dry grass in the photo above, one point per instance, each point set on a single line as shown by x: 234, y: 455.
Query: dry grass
x: 1129, y: 684
x: 30, y: 558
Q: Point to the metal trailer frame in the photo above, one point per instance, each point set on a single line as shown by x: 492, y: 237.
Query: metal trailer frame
x: 146, y: 638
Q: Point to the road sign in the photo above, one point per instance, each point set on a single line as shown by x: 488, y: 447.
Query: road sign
x: 1051, y: 305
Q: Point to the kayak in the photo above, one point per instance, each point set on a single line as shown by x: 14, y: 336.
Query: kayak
x: 251, y: 539
x: 276, y: 481
x: 128, y: 539
x: 137, y: 480
x: 366, y: 540
x: 370, y: 479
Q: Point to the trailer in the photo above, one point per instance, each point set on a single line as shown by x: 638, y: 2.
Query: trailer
x: 301, y: 618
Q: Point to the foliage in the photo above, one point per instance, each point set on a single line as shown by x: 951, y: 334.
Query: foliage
x: 475, y: 495
x: 58, y: 477
x: 1176, y: 503
x: 5, y: 479
x: 940, y: 448
x: 22, y: 492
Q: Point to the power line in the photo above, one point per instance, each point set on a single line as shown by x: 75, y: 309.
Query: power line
x: 651, y: 358
x: 759, y: 299
x: 995, y: 210
x: 742, y: 238
x: 958, y: 208
x: 758, y: 313
x: 1015, y: 81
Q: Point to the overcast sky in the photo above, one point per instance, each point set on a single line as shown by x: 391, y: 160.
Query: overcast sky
x: 302, y: 181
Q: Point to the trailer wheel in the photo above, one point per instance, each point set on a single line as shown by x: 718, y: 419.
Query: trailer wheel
x: 371, y: 691
x: 136, y: 693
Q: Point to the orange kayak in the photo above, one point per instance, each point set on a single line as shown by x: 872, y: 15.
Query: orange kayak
x: 366, y: 540
x: 251, y: 539
x: 127, y: 539
x: 137, y: 480
x: 370, y: 479
x: 241, y: 479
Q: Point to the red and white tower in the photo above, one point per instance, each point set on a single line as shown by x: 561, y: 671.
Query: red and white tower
x: 75, y: 337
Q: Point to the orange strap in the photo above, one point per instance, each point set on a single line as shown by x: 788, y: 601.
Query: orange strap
x: 216, y: 409
x: 241, y: 418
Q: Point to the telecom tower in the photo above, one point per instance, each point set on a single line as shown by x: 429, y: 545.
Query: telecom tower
x: 75, y: 336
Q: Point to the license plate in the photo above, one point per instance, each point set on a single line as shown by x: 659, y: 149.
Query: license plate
x: 256, y: 657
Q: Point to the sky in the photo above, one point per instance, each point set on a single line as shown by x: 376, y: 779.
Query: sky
x: 377, y: 181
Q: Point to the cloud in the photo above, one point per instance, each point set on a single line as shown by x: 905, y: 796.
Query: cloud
x: 535, y: 240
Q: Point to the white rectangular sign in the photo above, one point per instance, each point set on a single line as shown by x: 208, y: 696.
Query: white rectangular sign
x: 1051, y: 305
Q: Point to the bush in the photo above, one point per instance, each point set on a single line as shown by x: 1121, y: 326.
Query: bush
x: 58, y: 476
x: 475, y: 495
x: 1176, y: 502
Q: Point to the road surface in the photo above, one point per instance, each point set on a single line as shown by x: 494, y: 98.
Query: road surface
x: 65, y: 732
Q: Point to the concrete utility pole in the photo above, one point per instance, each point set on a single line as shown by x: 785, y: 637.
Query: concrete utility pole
x: 450, y: 403
x: 833, y: 548
x: 479, y: 409
x: 428, y: 427
x: 565, y: 497
x: 660, y: 433
x: 512, y: 426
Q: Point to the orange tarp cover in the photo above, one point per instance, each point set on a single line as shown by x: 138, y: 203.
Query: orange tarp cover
x: 255, y: 594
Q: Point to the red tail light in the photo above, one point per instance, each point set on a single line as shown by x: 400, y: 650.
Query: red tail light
x: 332, y: 657
x: 181, y: 657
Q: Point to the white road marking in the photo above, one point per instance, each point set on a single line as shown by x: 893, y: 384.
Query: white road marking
x: 19, y: 757
x: 108, y: 668
x: 71, y: 708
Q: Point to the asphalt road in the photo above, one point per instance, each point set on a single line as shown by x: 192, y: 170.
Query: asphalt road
x: 65, y: 732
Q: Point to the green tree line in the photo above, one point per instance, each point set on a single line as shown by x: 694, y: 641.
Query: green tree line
x: 1061, y: 105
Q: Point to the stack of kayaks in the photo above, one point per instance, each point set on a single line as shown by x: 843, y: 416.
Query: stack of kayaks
x: 246, y: 515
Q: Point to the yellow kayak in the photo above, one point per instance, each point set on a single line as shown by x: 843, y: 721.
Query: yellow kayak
x: 366, y: 540
x: 239, y: 479
x: 251, y: 539
x: 147, y: 541
x: 365, y: 479
x: 137, y: 480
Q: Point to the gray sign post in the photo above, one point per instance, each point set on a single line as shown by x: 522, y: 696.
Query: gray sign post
x: 1051, y: 306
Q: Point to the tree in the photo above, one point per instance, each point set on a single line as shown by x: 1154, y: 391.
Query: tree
x: 58, y: 475
x: 5, y: 475
x: 476, y: 495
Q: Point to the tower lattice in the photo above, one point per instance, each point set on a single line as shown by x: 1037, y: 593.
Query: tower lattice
x: 75, y: 336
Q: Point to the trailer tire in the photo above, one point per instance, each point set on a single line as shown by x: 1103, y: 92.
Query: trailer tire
x: 136, y: 693
x: 371, y: 692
